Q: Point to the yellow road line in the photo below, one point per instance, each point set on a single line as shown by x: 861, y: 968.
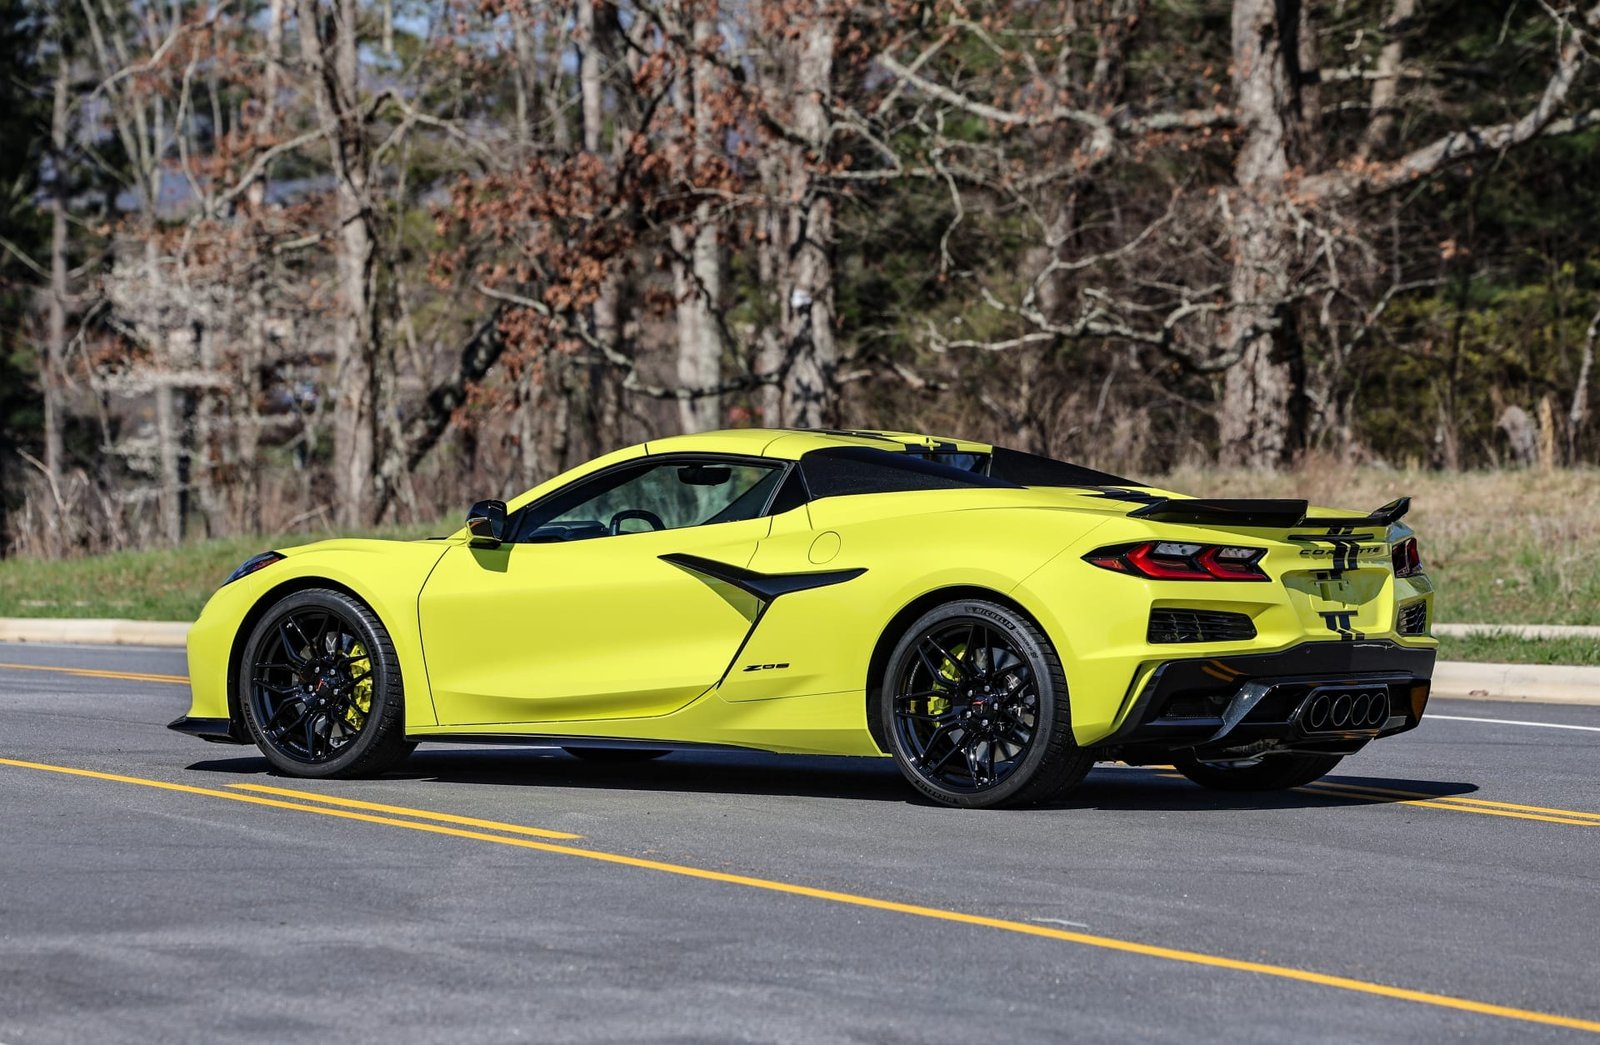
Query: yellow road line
x: 1446, y: 807
x: 94, y: 673
x: 1109, y: 943
x: 1423, y: 800
x: 428, y: 814
x: 342, y: 814
x: 1461, y: 799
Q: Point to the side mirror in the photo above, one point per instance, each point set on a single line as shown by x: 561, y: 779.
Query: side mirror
x: 486, y: 522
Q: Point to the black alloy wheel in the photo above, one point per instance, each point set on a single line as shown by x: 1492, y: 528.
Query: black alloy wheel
x: 975, y: 709
x: 320, y: 687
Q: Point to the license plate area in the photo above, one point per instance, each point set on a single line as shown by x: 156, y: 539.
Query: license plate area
x: 1346, y: 606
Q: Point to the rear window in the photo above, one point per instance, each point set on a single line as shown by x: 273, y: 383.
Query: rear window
x: 847, y: 470
x: 1026, y: 469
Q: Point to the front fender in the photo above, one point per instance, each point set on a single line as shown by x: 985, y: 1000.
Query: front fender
x: 385, y: 575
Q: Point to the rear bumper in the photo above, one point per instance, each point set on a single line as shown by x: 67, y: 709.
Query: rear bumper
x: 1250, y: 704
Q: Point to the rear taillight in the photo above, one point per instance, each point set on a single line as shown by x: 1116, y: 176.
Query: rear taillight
x: 1178, y: 561
x: 1407, y: 561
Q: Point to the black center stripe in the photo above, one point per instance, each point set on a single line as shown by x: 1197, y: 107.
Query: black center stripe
x: 1342, y: 622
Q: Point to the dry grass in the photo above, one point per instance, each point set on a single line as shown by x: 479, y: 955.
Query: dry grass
x: 1508, y: 547
x: 154, y: 584
x: 1503, y: 547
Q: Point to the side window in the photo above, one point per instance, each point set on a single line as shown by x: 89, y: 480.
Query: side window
x: 656, y: 496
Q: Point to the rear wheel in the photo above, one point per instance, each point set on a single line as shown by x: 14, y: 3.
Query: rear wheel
x: 974, y: 707
x: 1267, y: 773
x: 320, y: 687
x: 615, y: 755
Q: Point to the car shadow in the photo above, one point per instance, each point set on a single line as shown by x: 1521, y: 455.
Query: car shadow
x: 696, y: 772
x: 1161, y: 789
x: 1108, y: 786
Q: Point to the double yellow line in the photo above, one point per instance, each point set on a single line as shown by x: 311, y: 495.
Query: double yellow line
x: 1387, y: 796
x: 519, y: 836
x: 1453, y: 803
x: 95, y: 673
x: 1445, y: 803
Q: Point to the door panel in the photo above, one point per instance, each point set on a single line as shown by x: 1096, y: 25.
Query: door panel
x: 585, y: 629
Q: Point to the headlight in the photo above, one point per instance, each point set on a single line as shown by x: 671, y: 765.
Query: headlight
x: 251, y: 565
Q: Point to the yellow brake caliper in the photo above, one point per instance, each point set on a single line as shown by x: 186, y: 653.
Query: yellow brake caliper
x: 948, y: 676
x: 355, y: 715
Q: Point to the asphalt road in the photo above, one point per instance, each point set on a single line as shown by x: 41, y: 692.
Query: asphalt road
x: 746, y: 897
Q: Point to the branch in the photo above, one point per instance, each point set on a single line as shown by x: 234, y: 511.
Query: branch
x: 1120, y: 123
x: 1430, y: 159
x: 259, y: 166
x: 1004, y: 117
x: 631, y: 382
x: 22, y: 256
x: 1458, y: 146
x: 479, y: 353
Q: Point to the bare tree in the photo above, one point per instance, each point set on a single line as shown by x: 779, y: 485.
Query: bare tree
x: 696, y: 242
x: 50, y: 367
x: 329, y: 48
x: 806, y: 286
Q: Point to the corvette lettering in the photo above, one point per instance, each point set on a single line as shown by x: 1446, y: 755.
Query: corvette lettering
x: 1365, y: 551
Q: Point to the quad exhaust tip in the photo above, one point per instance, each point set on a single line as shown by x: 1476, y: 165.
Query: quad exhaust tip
x: 1346, y: 709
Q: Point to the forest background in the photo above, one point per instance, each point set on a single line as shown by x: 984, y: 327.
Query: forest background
x: 292, y: 265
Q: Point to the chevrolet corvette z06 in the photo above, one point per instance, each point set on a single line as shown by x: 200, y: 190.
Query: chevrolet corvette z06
x: 994, y: 621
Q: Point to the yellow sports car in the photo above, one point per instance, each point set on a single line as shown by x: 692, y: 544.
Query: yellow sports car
x: 994, y: 621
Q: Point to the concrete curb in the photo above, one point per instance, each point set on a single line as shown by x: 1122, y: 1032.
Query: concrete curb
x: 94, y: 632
x: 1541, y: 683
x: 1521, y: 631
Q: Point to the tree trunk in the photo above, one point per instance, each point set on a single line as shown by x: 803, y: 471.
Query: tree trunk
x: 591, y: 87
x: 168, y: 438
x: 1255, y: 425
x: 771, y: 273
x: 697, y: 273
x: 1578, y: 413
x: 606, y: 313
x: 335, y: 65
x: 1386, y: 88
x: 810, y: 390
x: 700, y: 344
x: 525, y: 73
x: 56, y: 337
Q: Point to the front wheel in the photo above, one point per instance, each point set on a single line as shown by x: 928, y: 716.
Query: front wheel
x: 1267, y: 773
x: 320, y: 687
x: 974, y: 708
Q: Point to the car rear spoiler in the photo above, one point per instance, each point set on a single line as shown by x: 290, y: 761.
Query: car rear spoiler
x: 1277, y: 514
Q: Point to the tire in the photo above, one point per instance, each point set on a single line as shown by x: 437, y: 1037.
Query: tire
x: 320, y: 688
x: 974, y: 709
x: 615, y: 755
x: 1268, y: 773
